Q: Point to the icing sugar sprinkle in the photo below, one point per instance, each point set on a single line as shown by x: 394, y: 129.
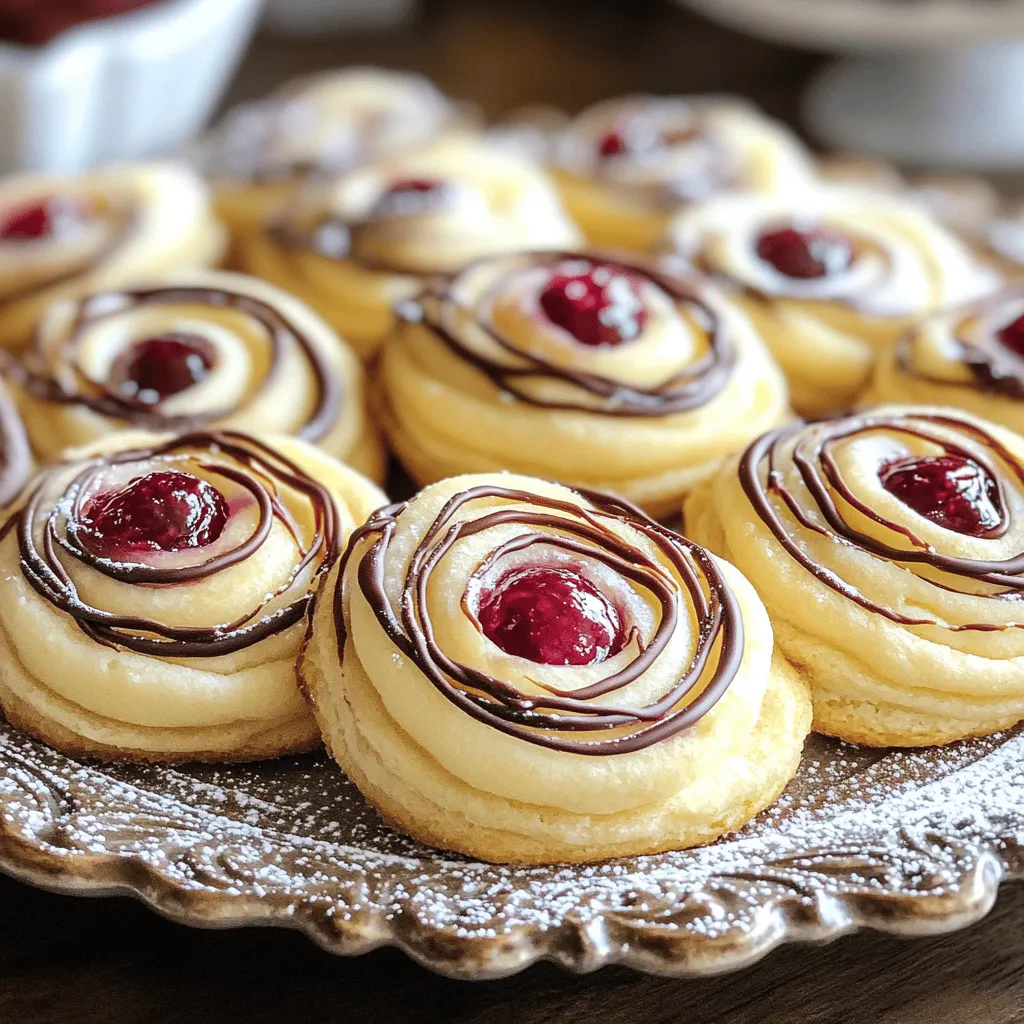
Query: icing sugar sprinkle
x: 858, y: 836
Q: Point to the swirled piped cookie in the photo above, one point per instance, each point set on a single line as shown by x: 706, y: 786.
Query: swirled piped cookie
x: 524, y: 672
x: 626, y: 166
x: 970, y: 356
x: 356, y: 247
x: 830, y: 276
x: 65, y: 235
x: 153, y: 592
x: 614, y: 375
x: 203, y: 350
x: 325, y: 124
x: 888, y: 548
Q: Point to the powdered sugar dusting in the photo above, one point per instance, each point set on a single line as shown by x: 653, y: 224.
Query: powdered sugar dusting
x: 902, y: 840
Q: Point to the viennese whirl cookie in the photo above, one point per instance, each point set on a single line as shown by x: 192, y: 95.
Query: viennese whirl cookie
x: 969, y: 356
x: 613, y: 374
x: 201, y: 350
x: 626, y: 166
x: 831, y: 277
x: 523, y: 672
x: 359, y: 244
x: 264, y: 153
x: 153, y: 593
x: 66, y: 235
x: 889, y: 550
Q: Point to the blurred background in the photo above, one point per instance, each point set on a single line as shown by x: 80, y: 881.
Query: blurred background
x: 930, y: 83
x: 508, y: 53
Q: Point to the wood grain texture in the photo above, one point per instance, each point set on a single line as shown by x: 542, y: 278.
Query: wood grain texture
x: 77, y: 961
x: 74, y: 961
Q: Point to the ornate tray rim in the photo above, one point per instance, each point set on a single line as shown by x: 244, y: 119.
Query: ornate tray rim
x: 940, y: 898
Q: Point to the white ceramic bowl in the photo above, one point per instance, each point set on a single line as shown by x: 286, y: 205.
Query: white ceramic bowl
x: 126, y: 87
x: 930, y: 82
x: 859, y: 25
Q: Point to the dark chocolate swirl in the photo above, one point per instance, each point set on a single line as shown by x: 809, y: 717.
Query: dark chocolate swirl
x: 787, y: 513
x: 881, y: 256
x: 334, y: 237
x: 47, y: 536
x: 105, y: 398
x: 692, y: 387
x: 311, y: 225
x: 869, y: 268
x: 565, y: 720
x: 974, y: 331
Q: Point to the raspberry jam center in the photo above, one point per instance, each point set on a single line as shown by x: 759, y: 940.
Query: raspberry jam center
x: 597, y: 304
x: 163, y: 511
x: 612, y: 143
x: 639, y: 137
x: 53, y: 217
x: 156, y: 368
x: 1012, y: 336
x: 552, y: 616
x: 410, y: 197
x: 38, y: 21
x: 950, y: 490
x: 805, y: 254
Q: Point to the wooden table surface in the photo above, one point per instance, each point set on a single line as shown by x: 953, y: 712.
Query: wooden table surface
x: 78, y: 961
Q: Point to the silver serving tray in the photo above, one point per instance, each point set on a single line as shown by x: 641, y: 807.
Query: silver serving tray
x: 905, y: 842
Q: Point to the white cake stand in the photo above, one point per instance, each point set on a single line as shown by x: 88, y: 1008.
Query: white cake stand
x: 937, y: 82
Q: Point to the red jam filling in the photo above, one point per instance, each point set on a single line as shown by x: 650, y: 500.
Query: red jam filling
x: 410, y: 197
x: 805, y: 254
x: 612, y: 143
x: 156, y: 368
x: 640, y: 136
x: 552, y: 616
x: 38, y: 21
x: 598, y: 304
x: 33, y: 222
x: 950, y: 490
x: 164, y: 511
x: 1012, y: 336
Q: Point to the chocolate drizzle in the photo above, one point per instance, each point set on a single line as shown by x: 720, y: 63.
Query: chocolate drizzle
x: 251, y: 465
x: 334, y: 237
x: 813, y: 457
x: 563, y: 720
x: 691, y: 388
x: 105, y: 399
x: 845, y: 286
x: 994, y: 367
